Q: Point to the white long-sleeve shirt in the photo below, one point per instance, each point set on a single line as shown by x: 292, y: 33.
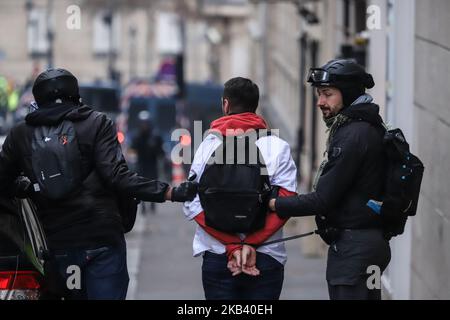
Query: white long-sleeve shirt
x: 281, y: 170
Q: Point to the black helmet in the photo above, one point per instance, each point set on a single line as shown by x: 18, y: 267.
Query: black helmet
x: 340, y: 73
x: 346, y: 75
x: 54, y: 84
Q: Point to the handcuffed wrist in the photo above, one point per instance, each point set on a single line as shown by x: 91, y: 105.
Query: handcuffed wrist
x: 231, y: 248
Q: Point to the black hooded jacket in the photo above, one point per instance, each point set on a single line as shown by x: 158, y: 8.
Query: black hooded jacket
x: 353, y: 175
x: 90, y: 217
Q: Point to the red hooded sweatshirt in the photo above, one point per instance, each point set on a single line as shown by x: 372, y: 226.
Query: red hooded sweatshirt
x: 243, y: 121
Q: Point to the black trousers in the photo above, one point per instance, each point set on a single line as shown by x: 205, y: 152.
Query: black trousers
x: 350, y: 261
x: 358, y: 291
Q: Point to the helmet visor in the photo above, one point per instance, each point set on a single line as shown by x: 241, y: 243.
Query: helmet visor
x: 317, y: 76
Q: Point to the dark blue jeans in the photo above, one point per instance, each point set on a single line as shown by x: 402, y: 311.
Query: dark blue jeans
x: 219, y: 284
x: 103, y: 272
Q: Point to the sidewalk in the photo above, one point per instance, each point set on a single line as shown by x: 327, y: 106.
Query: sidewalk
x: 167, y: 270
x: 304, y: 278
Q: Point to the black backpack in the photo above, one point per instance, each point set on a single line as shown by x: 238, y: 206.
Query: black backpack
x: 56, y: 163
x: 404, y: 172
x: 56, y: 160
x: 234, y: 193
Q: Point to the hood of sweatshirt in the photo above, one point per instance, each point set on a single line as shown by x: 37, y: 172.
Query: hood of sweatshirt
x: 55, y: 114
x: 244, y: 121
x: 369, y: 112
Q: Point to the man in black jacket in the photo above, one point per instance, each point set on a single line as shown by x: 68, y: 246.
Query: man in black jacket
x: 348, y: 183
x: 84, y: 229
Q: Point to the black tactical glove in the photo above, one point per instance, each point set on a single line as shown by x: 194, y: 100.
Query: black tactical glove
x: 22, y: 187
x: 327, y: 233
x: 274, y: 192
x: 185, y: 191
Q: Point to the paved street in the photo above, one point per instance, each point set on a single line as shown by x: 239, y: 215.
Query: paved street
x: 162, y: 267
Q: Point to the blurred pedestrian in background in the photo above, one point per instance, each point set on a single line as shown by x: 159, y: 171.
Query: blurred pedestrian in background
x: 149, y: 148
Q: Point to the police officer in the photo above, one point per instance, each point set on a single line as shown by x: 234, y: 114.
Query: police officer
x: 348, y: 182
x: 85, y: 228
